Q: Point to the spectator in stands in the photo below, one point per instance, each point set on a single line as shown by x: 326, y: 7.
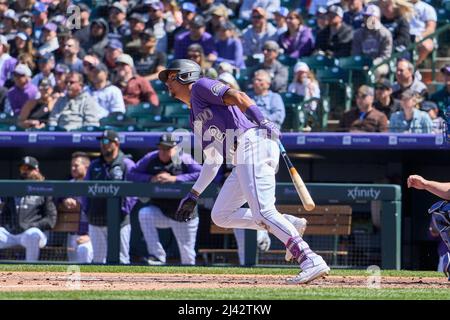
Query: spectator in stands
x: 4, y: 4
x: 172, y: 12
x: 270, y: 103
x: 77, y: 108
x: 321, y: 19
x: 22, y: 91
x: 280, y: 20
x: 46, y: 63
x: 63, y: 34
x: 188, y: 10
x: 9, y: 22
x: 305, y: 84
x: 7, y: 62
x: 108, y: 96
x: 442, y: 96
x: 219, y: 16
x: 22, y: 44
x: 98, y: 38
x: 49, y: 39
x: 354, y: 16
x: 70, y: 51
x: 89, y: 63
x: 23, y: 220
x: 118, y: 24
x: 395, y: 16
x: 320, y: 5
x: 256, y: 34
x: 384, y: 101
x: 364, y: 118
x: 135, y: 89
x: 132, y: 42
x: 336, y: 39
x: 298, y: 41
x: 269, y: 6
x: 39, y: 18
x: 195, y: 52
x: 111, y: 165
x: 150, y: 61
x: 197, y: 34
x: 82, y: 34
x: 166, y: 165
x: 373, y: 40
x: 229, y: 46
x: 423, y: 24
x: 407, y: 79
x: 160, y: 26
x: 35, y: 113
x: 113, y: 50
x: 228, y: 79
x: 433, y: 111
x: 205, y: 7
x: 277, y: 71
x: 61, y: 71
x: 410, y: 119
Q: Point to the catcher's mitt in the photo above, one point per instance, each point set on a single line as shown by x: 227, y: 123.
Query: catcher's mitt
x: 185, y: 210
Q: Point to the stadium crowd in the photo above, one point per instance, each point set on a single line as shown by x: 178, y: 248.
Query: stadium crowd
x: 70, y: 64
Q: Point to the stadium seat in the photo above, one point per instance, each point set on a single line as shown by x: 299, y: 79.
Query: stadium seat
x: 89, y: 129
x: 147, y: 123
x: 241, y: 24
x: 294, y: 120
x: 319, y: 62
x: 175, y: 109
x: 6, y: 118
x: 117, y: 119
x: 165, y: 97
x: 158, y: 85
x: 286, y: 60
x: 142, y: 110
x: 333, y: 80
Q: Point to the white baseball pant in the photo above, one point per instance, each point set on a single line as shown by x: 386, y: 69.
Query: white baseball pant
x: 151, y: 218
x: 80, y: 253
x: 99, y: 239
x: 252, y: 180
x: 32, y: 240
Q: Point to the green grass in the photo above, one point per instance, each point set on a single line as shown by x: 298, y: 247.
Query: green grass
x: 204, y: 270
x: 241, y: 294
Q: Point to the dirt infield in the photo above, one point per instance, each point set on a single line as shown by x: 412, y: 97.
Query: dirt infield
x: 53, y: 281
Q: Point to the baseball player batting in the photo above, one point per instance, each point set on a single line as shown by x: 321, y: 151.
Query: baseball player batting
x: 217, y: 117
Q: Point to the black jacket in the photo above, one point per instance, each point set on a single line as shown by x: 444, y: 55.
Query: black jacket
x: 340, y: 44
x: 22, y: 213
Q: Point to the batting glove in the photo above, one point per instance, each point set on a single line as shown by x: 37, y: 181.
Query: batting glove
x: 272, y: 129
x: 185, y: 210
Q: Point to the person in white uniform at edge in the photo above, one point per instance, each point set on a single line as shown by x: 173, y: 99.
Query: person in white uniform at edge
x: 219, y: 116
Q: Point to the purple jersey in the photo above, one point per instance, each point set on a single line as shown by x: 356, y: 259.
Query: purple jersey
x: 212, y: 118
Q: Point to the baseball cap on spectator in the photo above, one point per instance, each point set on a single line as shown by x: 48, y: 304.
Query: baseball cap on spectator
x: 62, y: 68
x: 22, y: 35
x: 11, y: 14
x: 23, y: 70
x: 198, y: 22
x: 282, y: 11
x: 90, y: 59
x: 301, y: 66
x: 84, y: 7
x: 408, y: 94
x: 50, y: 26
x: 228, y: 79
x: 383, y: 84
x: 119, y: 6
x: 168, y: 140
x: 225, y: 67
x: 446, y: 69
x: 220, y: 11
x: 189, y: 6
x: 366, y: 90
x: 110, y: 135
x: 337, y: 10
x: 260, y: 11
x: 321, y: 10
x: 126, y: 59
x: 44, y: 83
x: 46, y: 57
x: 157, y: 5
x: 38, y: 8
x: 139, y: 17
x: 25, y: 22
x: 428, y: 105
x: 372, y: 10
x: 271, y: 45
x: 114, y: 44
x: 30, y: 162
x: 99, y: 67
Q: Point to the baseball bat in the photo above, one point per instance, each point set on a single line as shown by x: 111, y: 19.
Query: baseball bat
x: 300, y: 186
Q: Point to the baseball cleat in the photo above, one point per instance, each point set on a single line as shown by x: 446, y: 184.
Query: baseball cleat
x: 317, y: 270
x: 300, y: 225
x: 153, y: 261
x: 263, y: 240
x: 446, y: 265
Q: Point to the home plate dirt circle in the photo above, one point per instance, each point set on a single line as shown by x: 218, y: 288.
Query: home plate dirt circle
x: 50, y: 281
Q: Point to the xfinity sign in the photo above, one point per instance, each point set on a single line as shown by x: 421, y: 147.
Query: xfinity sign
x: 356, y: 192
x: 108, y: 190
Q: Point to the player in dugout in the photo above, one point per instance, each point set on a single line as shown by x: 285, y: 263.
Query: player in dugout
x: 219, y: 119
